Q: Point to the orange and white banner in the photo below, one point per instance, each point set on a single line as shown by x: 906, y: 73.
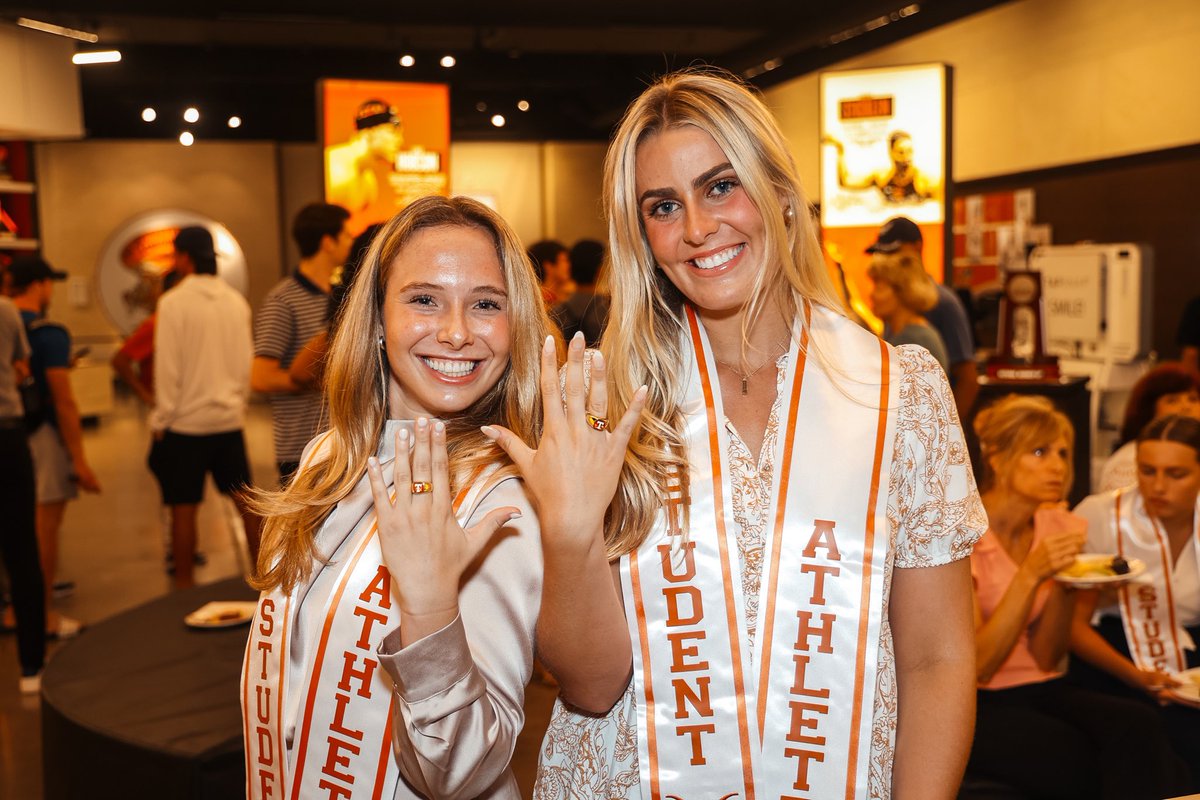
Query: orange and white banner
x: 1155, y: 637
x: 342, y: 743
x: 793, y: 720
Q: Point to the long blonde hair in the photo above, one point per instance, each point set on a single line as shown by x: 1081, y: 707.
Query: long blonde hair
x: 356, y: 379
x: 642, y: 342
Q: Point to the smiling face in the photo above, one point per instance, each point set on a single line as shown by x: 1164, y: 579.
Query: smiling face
x: 1168, y: 478
x: 1040, y: 475
x: 703, y: 229
x: 446, y: 325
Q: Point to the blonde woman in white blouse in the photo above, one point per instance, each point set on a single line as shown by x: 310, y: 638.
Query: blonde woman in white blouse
x: 789, y: 525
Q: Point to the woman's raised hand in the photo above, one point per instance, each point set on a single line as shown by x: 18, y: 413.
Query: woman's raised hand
x: 573, y: 474
x: 425, y: 549
x: 1064, y: 535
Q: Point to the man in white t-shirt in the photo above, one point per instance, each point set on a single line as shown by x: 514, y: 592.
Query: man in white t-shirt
x: 202, y: 354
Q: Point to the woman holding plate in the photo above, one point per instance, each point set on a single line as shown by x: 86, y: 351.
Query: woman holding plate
x: 1145, y: 633
x: 1033, y: 731
x: 401, y: 568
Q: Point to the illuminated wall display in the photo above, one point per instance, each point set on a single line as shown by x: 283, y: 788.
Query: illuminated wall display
x: 385, y: 145
x: 884, y: 153
x: 132, y: 263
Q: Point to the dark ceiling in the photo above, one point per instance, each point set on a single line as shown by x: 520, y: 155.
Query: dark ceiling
x: 577, y: 62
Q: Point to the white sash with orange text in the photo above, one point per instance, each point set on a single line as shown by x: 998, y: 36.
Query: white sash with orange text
x: 1155, y: 637
x: 795, y: 720
x: 343, y: 736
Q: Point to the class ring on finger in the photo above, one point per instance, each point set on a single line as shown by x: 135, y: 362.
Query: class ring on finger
x: 421, y: 487
x: 596, y: 423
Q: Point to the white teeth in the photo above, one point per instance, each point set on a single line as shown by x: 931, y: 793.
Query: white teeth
x: 451, y: 368
x: 723, y: 257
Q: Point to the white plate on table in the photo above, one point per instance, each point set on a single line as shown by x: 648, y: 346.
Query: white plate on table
x: 1136, y: 568
x: 1189, y: 692
x: 222, y: 614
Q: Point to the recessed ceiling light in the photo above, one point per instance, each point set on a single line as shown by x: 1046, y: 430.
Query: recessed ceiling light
x: 149, y: 114
x: 235, y: 122
x: 448, y: 61
x: 481, y: 106
x: 186, y: 139
x: 498, y: 120
x: 97, y: 57
x: 407, y: 61
x: 191, y: 114
x: 522, y: 105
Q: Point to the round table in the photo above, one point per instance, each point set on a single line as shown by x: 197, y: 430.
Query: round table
x: 141, y: 705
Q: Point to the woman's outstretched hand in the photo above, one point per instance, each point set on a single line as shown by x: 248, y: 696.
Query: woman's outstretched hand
x: 572, y: 476
x: 425, y: 549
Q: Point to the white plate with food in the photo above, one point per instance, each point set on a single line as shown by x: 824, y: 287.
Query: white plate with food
x: 1189, y: 689
x: 222, y: 614
x: 1100, y: 569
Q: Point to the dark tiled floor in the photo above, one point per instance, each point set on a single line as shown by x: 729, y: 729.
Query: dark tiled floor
x: 111, y: 546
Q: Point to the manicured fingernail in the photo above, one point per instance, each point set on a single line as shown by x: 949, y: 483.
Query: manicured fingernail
x: 440, y: 427
x: 577, y: 338
x: 515, y: 515
x: 403, y: 434
x: 597, y: 360
x: 373, y: 463
x: 548, y: 345
x: 422, y: 423
x: 490, y: 432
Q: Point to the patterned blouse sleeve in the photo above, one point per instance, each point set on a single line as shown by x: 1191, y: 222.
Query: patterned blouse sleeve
x: 934, y: 509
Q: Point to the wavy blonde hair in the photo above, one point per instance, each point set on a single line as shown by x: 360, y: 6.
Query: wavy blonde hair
x: 356, y: 378
x: 1015, y: 425
x: 643, y: 341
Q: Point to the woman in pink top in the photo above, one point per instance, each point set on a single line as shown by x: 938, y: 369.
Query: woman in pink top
x: 1032, y: 730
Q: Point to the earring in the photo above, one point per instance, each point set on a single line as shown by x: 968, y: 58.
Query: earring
x: 381, y: 343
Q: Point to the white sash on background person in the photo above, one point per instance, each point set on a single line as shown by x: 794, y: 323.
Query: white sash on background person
x: 707, y: 729
x: 342, y: 744
x: 1152, y: 630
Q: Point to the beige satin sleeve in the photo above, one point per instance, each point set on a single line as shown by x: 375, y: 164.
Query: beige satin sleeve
x: 460, y: 692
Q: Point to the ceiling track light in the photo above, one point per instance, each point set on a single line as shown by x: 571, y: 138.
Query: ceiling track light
x: 97, y: 57
x: 57, y: 30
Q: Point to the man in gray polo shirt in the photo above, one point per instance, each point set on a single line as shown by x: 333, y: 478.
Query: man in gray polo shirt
x: 295, y: 311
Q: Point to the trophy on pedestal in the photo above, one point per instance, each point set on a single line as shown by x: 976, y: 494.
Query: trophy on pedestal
x: 1022, y: 353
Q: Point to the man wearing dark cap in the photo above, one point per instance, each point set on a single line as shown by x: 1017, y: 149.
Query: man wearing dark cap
x: 901, y: 234
x: 60, y: 465
x: 201, y: 381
